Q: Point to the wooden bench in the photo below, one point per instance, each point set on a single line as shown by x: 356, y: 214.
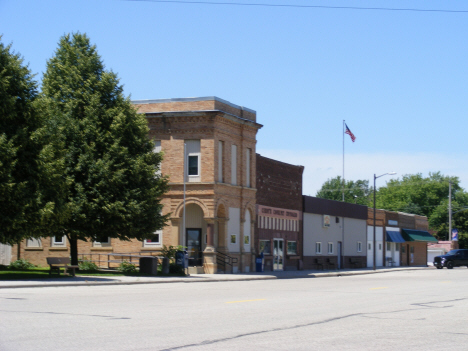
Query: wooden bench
x: 355, y: 262
x: 56, y: 263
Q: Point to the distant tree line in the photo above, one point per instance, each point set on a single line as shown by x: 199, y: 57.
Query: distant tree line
x: 413, y: 193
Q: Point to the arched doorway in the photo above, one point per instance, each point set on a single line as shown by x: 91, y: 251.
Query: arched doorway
x: 194, y: 237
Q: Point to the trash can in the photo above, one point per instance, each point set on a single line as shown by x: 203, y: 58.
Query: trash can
x: 149, y: 265
x: 258, y: 264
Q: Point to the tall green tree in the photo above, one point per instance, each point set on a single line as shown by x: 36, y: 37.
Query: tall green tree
x: 426, y: 196
x: 416, y: 194
x: 26, y: 168
x: 356, y: 192
x: 115, y: 187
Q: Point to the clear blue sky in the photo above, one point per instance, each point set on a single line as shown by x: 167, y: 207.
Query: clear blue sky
x: 398, y: 78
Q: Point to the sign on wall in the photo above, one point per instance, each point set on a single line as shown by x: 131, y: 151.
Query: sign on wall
x: 326, y: 221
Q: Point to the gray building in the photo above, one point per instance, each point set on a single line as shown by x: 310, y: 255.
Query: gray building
x: 335, y: 234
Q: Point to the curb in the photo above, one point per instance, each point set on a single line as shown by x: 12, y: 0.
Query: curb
x: 209, y: 280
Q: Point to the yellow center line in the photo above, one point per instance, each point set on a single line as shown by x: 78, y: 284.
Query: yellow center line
x: 246, y: 301
x: 379, y: 288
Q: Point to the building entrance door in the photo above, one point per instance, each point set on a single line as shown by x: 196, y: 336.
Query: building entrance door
x: 278, y: 254
x: 194, y: 247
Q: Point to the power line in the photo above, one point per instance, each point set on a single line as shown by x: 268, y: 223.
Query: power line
x: 304, y: 6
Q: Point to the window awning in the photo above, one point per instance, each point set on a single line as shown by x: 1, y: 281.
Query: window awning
x: 394, y: 237
x: 418, y: 235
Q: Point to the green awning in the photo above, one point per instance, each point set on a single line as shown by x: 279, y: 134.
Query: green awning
x: 417, y: 235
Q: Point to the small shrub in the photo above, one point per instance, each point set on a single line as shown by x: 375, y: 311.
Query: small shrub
x: 176, y: 269
x: 127, y: 267
x: 21, y: 264
x: 88, y: 266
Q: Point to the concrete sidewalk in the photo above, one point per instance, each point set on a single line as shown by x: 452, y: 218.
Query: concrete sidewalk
x: 193, y: 278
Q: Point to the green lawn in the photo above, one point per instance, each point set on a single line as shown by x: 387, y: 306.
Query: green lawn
x: 43, y: 273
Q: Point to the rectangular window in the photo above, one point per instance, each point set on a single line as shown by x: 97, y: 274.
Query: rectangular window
x: 33, y: 242
x: 403, y: 249
x: 318, y: 248
x: 154, y: 239
x: 397, y: 247
x: 389, y: 247
x: 102, y: 241
x: 233, y: 164
x: 193, y: 165
x: 157, y: 149
x: 265, y: 247
x: 292, y: 248
x: 58, y: 241
x: 359, y: 246
x: 380, y: 247
x: 193, y: 162
x: 247, y: 168
x: 330, y: 248
x: 369, y: 246
x: 220, y: 161
x: 411, y: 249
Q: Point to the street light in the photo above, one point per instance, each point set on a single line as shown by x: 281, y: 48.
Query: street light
x: 375, y: 177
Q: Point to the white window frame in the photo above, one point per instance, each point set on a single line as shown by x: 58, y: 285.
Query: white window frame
x: 318, y: 248
x: 33, y: 242
x: 330, y: 248
x: 157, y: 149
x: 193, y: 150
x: 153, y: 244
x: 102, y: 243
x: 55, y: 243
x: 359, y: 246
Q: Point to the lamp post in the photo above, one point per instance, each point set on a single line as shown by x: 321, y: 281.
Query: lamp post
x: 375, y: 177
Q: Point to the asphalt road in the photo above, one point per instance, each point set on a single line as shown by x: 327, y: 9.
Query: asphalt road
x: 406, y: 310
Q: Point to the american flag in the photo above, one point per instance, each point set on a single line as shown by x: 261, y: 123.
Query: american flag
x: 353, y: 138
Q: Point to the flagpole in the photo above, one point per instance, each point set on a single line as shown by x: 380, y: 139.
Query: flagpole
x: 343, y: 159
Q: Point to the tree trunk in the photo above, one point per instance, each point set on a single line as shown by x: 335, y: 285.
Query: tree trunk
x: 73, y: 249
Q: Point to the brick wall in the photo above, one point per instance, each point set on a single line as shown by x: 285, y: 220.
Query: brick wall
x: 279, y: 184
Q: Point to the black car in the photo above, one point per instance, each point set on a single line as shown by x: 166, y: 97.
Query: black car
x: 453, y: 258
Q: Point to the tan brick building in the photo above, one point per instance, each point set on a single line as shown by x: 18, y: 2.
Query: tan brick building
x: 219, y: 139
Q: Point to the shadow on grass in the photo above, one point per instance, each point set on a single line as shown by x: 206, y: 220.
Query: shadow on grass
x: 43, y: 273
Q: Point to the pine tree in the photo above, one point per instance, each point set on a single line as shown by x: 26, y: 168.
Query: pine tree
x: 25, y: 172
x: 114, y: 188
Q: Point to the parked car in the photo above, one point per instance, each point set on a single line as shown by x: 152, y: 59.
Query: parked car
x: 453, y: 258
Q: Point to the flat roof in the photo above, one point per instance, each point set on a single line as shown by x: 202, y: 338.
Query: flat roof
x: 191, y: 99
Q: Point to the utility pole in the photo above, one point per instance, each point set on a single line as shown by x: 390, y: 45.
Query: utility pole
x: 450, y: 211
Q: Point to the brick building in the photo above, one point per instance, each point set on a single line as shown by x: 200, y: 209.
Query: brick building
x: 278, y: 233
x: 400, y: 239
x: 219, y: 139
